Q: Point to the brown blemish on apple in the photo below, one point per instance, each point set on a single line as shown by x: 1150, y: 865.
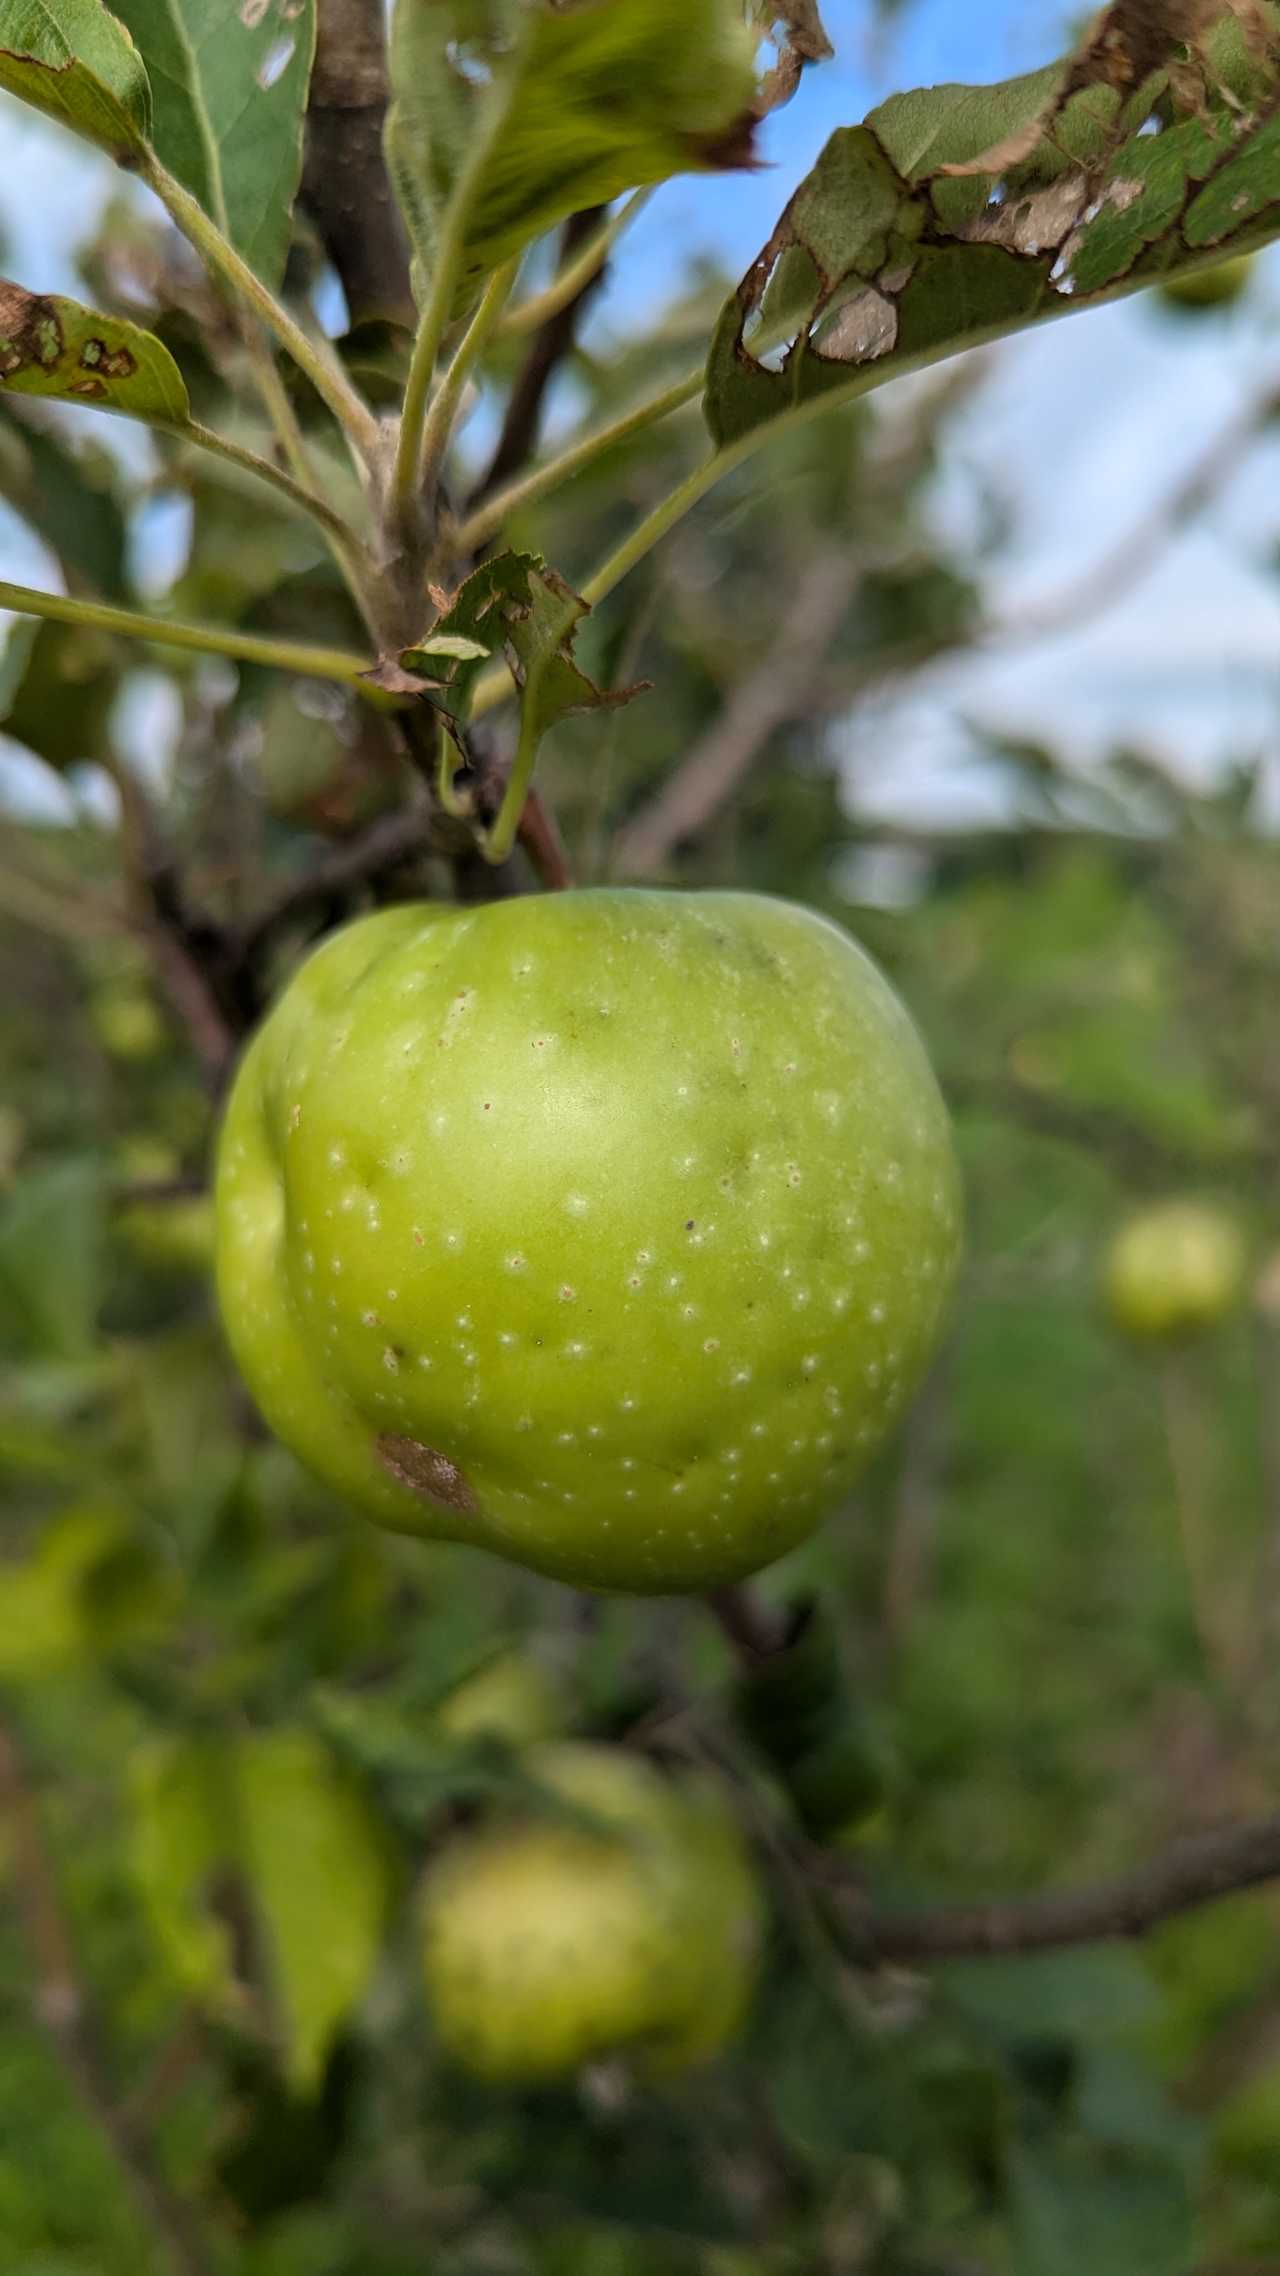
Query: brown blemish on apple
x: 425, y: 1471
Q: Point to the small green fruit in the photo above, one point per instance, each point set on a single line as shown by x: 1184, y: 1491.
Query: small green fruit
x: 1173, y: 1271
x: 549, y: 1945
x: 606, y: 1230
x: 512, y: 1698
x: 1219, y: 286
x: 127, y: 1024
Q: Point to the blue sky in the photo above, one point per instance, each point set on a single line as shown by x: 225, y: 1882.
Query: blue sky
x: 1077, y: 429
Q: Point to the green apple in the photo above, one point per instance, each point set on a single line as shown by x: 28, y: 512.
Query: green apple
x: 550, y: 1943
x: 513, y: 1697
x: 1174, y: 1270
x: 1216, y: 287
x: 127, y: 1024
x: 607, y: 1230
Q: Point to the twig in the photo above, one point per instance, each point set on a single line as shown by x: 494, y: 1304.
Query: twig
x: 65, y: 2012
x: 542, y: 842
x: 777, y: 689
x: 345, y: 186
x: 383, y: 846
x: 1198, y: 1870
x: 577, y: 271
x: 488, y: 518
x: 1112, y: 576
x: 225, y: 263
x: 754, y: 1629
x: 200, y: 639
x: 520, y: 427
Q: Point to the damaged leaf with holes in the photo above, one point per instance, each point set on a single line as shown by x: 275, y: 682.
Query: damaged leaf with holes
x: 517, y: 607
x: 956, y: 214
x: 51, y: 346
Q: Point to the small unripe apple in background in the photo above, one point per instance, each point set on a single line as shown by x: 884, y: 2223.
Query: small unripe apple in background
x: 607, y: 1230
x: 1219, y: 286
x: 513, y: 1697
x: 126, y: 1022
x: 1173, y: 1271
x: 550, y: 1943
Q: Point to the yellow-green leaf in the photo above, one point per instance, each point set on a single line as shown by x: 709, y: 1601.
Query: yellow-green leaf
x: 53, y: 347
x: 74, y: 60
x: 319, y: 1879
x: 590, y: 101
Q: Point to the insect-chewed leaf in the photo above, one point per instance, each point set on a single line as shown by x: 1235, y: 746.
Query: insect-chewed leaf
x: 75, y: 60
x: 954, y: 215
x: 230, y: 96
x: 587, y: 102
x: 517, y: 607
x: 53, y: 347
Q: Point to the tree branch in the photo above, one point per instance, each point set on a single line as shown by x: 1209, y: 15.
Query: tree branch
x: 345, y: 186
x: 779, y: 688
x: 1198, y: 1870
x: 63, y: 2009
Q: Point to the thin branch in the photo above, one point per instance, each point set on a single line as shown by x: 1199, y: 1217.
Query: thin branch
x: 777, y: 689
x: 447, y: 400
x: 298, y: 494
x: 200, y: 639
x: 345, y: 186
x: 488, y: 518
x: 520, y: 428
x: 1119, y: 569
x: 1199, y: 1870
x: 221, y: 258
x: 580, y: 268
x: 438, y: 313
x: 388, y: 842
x: 63, y: 2008
x: 755, y: 1631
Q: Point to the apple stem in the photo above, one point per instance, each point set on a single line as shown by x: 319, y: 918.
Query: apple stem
x: 755, y: 1630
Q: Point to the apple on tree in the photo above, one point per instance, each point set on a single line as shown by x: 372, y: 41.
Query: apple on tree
x: 608, y: 1230
x: 631, y: 1926
x: 1173, y: 1271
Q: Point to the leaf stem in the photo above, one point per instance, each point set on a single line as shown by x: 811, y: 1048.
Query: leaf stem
x: 489, y: 517
x: 575, y: 274
x: 297, y: 493
x: 497, y: 841
x: 438, y: 313
x: 201, y: 639
x: 221, y: 258
x: 444, y: 405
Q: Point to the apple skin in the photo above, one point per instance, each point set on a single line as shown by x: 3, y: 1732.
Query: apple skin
x: 607, y: 1230
x: 548, y: 1945
x: 1174, y: 1271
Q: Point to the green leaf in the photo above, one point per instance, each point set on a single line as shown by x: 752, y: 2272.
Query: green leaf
x: 53, y: 347
x: 75, y: 61
x: 319, y: 1875
x: 576, y: 105
x: 68, y: 496
x: 230, y: 91
x: 954, y: 215
x: 181, y: 1840
x: 1076, y: 2205
x: 51, y: 1254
